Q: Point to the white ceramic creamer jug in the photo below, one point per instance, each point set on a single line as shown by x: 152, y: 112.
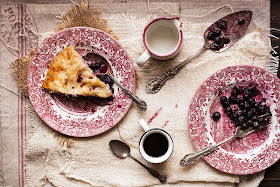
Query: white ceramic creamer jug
x: 163, y: 38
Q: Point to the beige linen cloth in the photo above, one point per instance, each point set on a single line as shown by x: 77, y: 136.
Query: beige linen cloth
x: 89, y: 161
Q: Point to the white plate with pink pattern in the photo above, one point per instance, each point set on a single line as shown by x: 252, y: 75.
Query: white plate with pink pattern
x: 80, y: 117
x: 240, y: 156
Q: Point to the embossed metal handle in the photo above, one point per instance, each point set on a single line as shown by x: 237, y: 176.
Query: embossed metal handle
x: 155, y: 85
x: 193, y: 157
x: 154, y: 173
x: 141, y: 105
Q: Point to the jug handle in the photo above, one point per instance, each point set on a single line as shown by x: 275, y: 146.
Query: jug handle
x: 143, y: 58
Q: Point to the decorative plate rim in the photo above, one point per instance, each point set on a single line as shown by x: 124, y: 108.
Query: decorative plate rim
x: 131, y: 88
x: 231, y: 166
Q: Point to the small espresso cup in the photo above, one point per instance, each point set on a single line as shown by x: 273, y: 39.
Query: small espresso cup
x: 162, y: 39
x: 155, y: 145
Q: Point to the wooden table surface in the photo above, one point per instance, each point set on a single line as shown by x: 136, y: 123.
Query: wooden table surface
x: 272, y: 175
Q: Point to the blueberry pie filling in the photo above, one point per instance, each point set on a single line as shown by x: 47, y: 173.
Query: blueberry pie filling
x: 98, y: 65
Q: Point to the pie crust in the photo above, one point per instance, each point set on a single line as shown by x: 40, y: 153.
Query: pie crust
x: 70, y: 75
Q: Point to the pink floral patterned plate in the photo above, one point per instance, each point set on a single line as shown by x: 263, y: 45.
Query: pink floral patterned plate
x: 240, y: 156
x: 80, y: 117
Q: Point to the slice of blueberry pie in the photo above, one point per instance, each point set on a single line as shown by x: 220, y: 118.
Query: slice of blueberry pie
x: 70, y: 75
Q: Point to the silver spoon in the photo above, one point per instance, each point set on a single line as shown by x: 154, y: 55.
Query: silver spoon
x: 193, y: 157
x: 237, y: 24
x: 141, y: 105
x: 122, y: 150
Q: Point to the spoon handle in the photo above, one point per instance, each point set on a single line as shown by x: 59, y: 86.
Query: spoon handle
x: 154, y: 85
x: 141, y: 105
x: 193, y: 157
x: 154, y: 173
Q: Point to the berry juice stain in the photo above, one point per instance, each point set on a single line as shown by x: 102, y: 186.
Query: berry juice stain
x: 155, y: 145
x: 154, y: 116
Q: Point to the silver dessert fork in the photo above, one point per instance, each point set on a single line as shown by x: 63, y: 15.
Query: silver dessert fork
x: 239, y: 133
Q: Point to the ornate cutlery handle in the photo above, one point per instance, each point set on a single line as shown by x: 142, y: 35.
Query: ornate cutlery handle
x: 141, y: 105
x: 193, y: 157
x: 155, y: 85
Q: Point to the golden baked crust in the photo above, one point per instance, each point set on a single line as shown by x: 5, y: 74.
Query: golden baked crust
x: 70, y: 75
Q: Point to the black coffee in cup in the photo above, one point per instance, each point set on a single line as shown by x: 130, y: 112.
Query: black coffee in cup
x: 155, y: 144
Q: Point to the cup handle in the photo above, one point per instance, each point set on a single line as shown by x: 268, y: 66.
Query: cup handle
x: 144, y: 125
x: 143, y: 58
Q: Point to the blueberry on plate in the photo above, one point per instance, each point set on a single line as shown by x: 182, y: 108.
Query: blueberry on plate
x: 252, y: 101
x: 232, y: 99
x: 228, y: 110
x: 216, y: 116
x: 240, y: 100
x: 223, y: 99
x: 244, y: 125
x: 234, y: 115
x: 241, y: 105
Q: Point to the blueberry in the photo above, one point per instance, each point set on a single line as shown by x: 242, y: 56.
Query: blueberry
x: 244, y: 126
x: 250, y: 114
x: 247, y: 106
x: 228, y: 110
x: 252, y: 101
x: 250, y: 123
x: 226, y: 104
x: 262, y: 104
x: 217, y: 40
x: 211, y: 35
x: 232, y: 99
x: 241, y: 21
x: 214, y: 46
x: 95, y: 65
x: 240, y: 99
x: 217, y: 32
x: 266, y: 120
x: 223, y: 99
x: 241, y: 105
x: 244, y: 112
x: 226, y: 40
x: 241, y: 118
x: 222, y: 24
x: 221, y: 45
x: 252, y: 91
x: 234, y: 115
x: 216, y: 116
x: 254, y: 118
x: 260, y: 119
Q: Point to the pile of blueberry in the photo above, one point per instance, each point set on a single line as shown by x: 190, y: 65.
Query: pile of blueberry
x: 242, y: 108
x: 215, y: 35
x: 219, y: 40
